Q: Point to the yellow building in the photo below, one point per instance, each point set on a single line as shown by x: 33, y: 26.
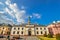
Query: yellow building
x: 5, y: 30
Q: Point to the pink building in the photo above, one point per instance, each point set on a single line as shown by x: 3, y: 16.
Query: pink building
x: 54, y: 28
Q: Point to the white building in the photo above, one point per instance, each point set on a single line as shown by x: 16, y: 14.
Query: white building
x: 28, y: 29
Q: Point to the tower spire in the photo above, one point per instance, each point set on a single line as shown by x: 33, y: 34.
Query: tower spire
x: 29, y: 20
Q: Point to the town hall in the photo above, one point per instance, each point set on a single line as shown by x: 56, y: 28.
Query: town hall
x: 29, y: 29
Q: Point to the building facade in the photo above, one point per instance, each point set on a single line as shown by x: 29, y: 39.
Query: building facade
x: 54, y: 28
x: 4, y: 30
x: 28, y: 29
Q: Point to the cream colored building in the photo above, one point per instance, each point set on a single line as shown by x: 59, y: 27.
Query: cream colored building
x: 28, y: 29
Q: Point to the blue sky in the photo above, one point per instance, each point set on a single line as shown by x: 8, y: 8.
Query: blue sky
x: 41, y: 11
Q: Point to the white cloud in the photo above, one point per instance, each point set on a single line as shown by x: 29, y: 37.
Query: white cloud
x: 13, y: 10
x: 37, y: 15
x: 9, y: 11
x: 4, y: 19
x: 1, y: 3
x: 34, y: 16
x: 8, y: 2
x: 1, y: 12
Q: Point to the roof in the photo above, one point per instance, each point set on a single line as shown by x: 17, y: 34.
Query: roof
x: 23, y: 25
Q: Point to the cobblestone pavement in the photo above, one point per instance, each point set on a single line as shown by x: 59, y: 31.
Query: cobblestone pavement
x: 30, y: 38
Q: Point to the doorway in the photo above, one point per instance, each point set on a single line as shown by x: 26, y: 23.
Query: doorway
x: 29, y: 33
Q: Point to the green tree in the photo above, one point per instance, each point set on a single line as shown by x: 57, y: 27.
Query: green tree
x: 50, y: 35
x: 57, y: 36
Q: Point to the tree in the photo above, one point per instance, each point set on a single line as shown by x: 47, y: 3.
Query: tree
x: 57, y: 36
x: 50, y: 35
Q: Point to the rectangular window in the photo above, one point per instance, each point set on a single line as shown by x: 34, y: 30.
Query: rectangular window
x: 13, y: 32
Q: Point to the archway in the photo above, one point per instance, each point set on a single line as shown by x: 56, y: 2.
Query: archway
x: 29, y: 33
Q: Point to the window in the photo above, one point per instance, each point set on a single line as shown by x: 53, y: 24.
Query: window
x: 13, y: 32
x: 40, y: 28
x: 22, y: 28
x: 17, y: 32
x: 37, y: 32
x: 8, y: 28
x: 41, y: 32
x: 37, y: 28
x: 44, y: 28
x: 21, y: 32
x: 14, y: 28
x: 45, y: 32
x: 3, y: 27
x: 18, y: 28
